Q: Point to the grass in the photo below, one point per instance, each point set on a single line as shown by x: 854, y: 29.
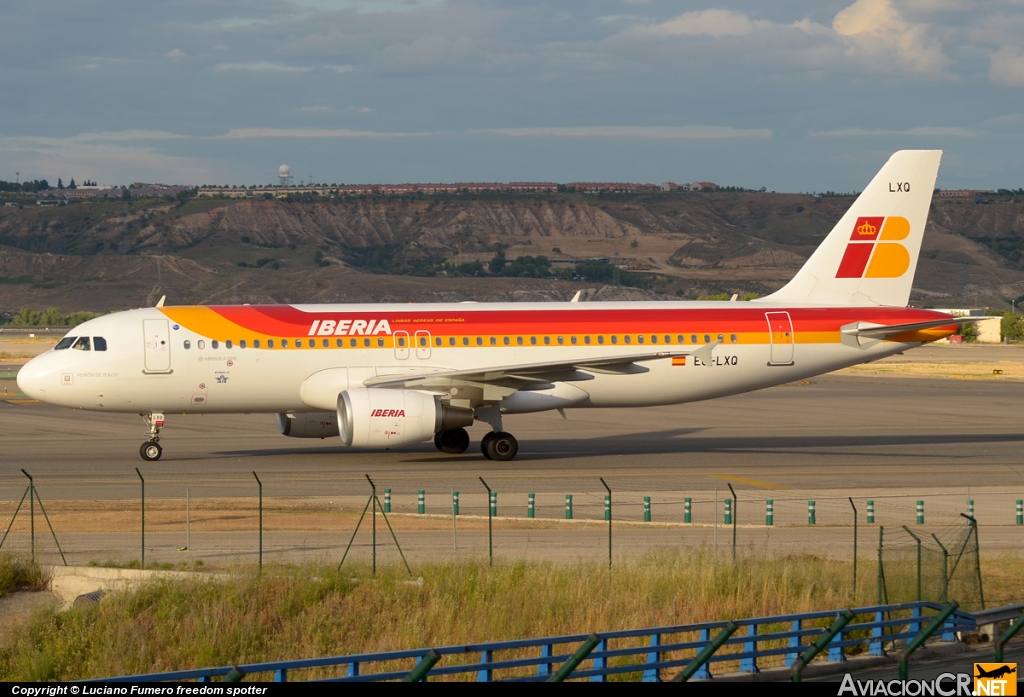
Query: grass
x: 18, y: 574
x: 309, y: 611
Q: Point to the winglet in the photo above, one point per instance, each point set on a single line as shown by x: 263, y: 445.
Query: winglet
x: 160, y: 302
x: 704, y: 352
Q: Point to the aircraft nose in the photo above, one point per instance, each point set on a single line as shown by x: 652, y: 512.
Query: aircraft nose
x: 32, y: 379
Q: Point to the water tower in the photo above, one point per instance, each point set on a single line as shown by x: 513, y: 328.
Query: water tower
x: 284, y: 173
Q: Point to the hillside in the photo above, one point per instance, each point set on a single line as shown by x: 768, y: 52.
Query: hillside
x: 108, y: 256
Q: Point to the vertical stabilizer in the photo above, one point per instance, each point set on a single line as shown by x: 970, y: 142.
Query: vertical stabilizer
x: 870, y: 256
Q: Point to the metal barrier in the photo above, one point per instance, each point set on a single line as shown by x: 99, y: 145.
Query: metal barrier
x: 611, y: 653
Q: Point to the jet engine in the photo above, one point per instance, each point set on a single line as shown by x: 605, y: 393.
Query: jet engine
x: 381, y: 418
x: 320, y: 424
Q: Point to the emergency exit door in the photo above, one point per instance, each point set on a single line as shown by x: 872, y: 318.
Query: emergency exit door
x: 780, y: 333
x: 157, y: 337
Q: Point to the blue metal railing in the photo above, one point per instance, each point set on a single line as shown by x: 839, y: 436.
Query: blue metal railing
x: 618, y: 651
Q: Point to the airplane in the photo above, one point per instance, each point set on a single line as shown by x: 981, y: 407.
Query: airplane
x: 388, y: 375
x: 995, y: 672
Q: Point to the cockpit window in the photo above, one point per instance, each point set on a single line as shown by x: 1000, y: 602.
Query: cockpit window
x: 82, y: 344
x: 65, y: 343
x: 99, y: 343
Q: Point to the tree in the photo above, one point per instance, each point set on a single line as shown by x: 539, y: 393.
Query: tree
x: 72, y: 185
x: 60, y: 183
x: 498, y: 262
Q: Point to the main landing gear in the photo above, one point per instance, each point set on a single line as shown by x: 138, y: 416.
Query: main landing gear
x: 151, y: 450
x: 452, y: 442
x: 499, y: 445
x: 496, y: 445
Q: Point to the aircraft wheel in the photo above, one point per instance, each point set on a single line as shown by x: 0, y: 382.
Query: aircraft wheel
x: 151, y: 451
x: 437, y: 442
x: 502, y: 446
x: 483, y: 444
x: 453, y: 442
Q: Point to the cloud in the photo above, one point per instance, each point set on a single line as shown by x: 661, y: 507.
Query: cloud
x: 175, y: 53
x: 715, y: 23
x: 237, y: 133
x: 875, y: 30
x: 1007, y: 67
x: 660, y: 132
x: 264, y: 67
x: 340, y: 68
x: 918, y: 131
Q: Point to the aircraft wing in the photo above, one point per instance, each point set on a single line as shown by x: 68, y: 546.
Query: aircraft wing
x: 870, y: 330
x: 548, y: 371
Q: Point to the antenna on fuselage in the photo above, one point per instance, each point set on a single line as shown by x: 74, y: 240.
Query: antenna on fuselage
x: 160, y: 302
x: 576, y: 298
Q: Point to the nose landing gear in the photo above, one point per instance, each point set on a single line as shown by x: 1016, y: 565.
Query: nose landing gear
x: 151, y: 450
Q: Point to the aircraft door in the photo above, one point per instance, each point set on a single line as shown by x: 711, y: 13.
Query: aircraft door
x: 422, y: 344
x: 401, y: 345
x: 780, y: 333
x: 157, y: 336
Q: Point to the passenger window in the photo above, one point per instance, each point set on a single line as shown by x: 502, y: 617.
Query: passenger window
x: 228, y: 344
x: 707, y: 338
x: 241, y: 344
x: 519, y: 340
x: 366, y: 343
x: 640, y: 339
x: 339, y: 342
x: 451, y: 341
x: 326, y: 343
x: 82, y: 344
x: 615, y: 339
x: 561, y: 340
x: 693, y: 339
x: 100, y: 344
x: 380, y: 342
x: 494, y: 341
x: 600, y: 339
x: 423, y: 341
x: 438, y: 340
x: 507, y: 340
x: 721, y: 338
x: 353, y: 342
x: 586, y: 340
x: 284, y: 343
x: 401, y: 341
x: 654, y: 338
x: 200, y: 344
x: 547, y: 341
x: 298, y: 343
x: 732, y: 338
x: 628, y: 338
x: 533, y: 341
x: 270, y: 343
x: 668, y: 339
x: 465, y: 341
x: 255, y: 343
x: 572, y: 341
x: 187, y: 344
x: 214, y: 344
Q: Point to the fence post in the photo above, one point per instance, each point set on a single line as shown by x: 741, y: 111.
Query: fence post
x: 260, y: 484
x: 871, y: 512
x: 735, y: 517
x: 493, y: 502
x: 881, y: 568
x: 568, y: 506
x: 812, y: 516
x: 1020, y: 511
x: 687, y: 509
x: 970, y: 507
x: 32, y: 511
x: 387, y: 500
x: 142, y: 563
x: 647, y: 509
x: 920, y: 512
x: 455, y: 502
x: 918, y: 541
x: 531, y: 500
x: 608, y: 517
x: 854, y: 507
x: 421, y: 504
x: 769, y: 512
x: 490, y: 528
x: 945, y: 570
x: 728, y: 512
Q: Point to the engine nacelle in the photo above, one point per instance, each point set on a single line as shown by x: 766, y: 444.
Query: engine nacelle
x: 382, y: 418
x: 320, y: 424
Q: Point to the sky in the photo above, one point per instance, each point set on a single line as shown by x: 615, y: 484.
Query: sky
x: 792, y: 95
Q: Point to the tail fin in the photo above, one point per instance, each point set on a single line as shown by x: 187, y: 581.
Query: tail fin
x: 870, y: 256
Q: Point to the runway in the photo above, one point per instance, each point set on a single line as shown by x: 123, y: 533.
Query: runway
x: 829, y: 433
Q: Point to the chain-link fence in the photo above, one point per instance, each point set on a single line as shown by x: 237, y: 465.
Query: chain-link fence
x: 159, y: 520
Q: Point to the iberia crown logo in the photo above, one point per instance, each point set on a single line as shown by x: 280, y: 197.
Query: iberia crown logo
x: 871, y: 254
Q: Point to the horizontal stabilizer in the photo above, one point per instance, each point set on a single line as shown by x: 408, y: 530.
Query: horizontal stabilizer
x: 870, y: 330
